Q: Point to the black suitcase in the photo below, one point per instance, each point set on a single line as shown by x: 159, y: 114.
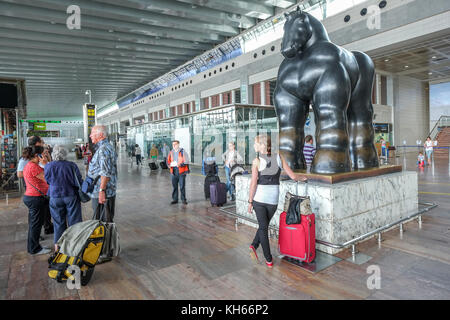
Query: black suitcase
x: 163, y: 165
x: 211, y: 169
x: 153, y: 165
x: 208, y: 181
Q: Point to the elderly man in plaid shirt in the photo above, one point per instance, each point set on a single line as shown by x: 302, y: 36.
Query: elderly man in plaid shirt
x: 103, y: 164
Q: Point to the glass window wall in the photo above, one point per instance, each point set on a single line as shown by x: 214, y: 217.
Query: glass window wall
x: 207, y: 133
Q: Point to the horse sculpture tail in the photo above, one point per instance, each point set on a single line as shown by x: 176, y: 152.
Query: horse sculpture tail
x: 360, y: 116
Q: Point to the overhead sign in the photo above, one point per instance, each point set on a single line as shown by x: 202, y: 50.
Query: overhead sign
x: 40, y: 121
x: 40, y: 127
x: 89, y: 117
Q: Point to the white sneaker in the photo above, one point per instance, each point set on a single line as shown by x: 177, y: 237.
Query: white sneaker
x: 44, y: 250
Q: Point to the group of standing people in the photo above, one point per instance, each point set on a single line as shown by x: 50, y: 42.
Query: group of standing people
x: 52, y: 183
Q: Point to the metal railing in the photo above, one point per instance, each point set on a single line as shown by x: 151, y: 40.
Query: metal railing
x: 444, y: 121
x: 419, y: 148
x: 273, y: 229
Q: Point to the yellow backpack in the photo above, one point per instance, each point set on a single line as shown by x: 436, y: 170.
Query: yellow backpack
x: 85, y: 260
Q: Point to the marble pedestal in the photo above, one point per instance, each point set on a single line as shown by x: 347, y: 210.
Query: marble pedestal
x: 345, y: 210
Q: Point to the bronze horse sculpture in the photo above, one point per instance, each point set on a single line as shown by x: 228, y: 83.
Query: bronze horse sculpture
x: 338, y: 85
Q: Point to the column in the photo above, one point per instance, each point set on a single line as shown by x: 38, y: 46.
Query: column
x: 378, y: 86
x: 244, y: 90
x: 263, y: 92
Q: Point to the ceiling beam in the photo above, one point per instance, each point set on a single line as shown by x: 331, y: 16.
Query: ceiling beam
x: 279, y: 3
x: 60, y: 17
x: 84, y: 33
x: 172, y: 63
x: 178, y: 9
x: 113, y: 12
x: 246, y: 8
x: 44, y: 60
x: 88, y: 43
x: 22, y: 65
x: 45, y: 73
x: 77, y: 48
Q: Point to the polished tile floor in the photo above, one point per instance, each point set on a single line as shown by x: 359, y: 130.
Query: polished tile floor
x: 195, y: 252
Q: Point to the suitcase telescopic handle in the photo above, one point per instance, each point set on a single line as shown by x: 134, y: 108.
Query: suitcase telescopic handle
x: 100, y: 206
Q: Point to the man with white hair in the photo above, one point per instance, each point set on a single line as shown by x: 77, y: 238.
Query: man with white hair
x: 104, y: 166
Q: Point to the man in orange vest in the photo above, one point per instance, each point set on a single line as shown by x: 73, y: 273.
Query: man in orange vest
x: 178, y: 162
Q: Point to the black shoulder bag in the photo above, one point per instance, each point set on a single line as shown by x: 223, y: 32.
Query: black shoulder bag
x: 83, y: 196
x: 44, y: 195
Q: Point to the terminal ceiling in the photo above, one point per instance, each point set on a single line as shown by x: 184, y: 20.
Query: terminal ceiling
x: 424, y: 59
x: 122, y: 44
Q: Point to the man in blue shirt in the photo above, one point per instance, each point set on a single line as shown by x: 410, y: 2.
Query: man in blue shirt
x: 104, y: 165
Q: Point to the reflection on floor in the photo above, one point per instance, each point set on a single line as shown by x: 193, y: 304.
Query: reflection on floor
x: 192, y: 252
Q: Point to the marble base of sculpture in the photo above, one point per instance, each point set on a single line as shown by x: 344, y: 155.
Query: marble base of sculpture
x: 345, y: 210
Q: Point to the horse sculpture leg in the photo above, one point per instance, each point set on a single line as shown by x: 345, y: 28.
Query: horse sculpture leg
x: 292, y: 113
x: 360, y: 114
x: 330, y: 101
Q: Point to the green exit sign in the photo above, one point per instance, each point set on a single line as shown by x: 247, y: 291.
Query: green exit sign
x: 40, y: 126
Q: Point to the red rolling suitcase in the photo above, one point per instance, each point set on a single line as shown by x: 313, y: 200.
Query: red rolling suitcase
x: 218, y: 193
x: 298, y: 241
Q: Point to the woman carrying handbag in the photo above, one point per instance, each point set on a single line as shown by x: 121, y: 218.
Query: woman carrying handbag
x: 35, y: 197
x: 64, y: 179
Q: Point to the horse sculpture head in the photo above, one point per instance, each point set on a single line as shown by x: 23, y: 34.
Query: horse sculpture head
x: 299, y: 28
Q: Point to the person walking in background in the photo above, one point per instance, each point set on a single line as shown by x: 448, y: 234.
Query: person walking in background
x: 153, y: 153
x: 35, y: 197
x: 384, y: 150
x: 230, y: 158
x: 65, y: 205
x: 264, y: 192
x: 138, y: 152
x: 178, y: 162
x: 428, y: 145
x: 87, y: 154
x: 309, y: 150
x: 165, y: 151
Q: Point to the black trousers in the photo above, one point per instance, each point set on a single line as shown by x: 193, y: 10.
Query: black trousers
x: 109, y: 206
x: 178, y: 178
x: 36, y: 214
x: 264, y: 213
x: 138, y: 159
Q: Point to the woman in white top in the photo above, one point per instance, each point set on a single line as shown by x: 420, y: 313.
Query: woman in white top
x: 429, y: 148
x: 264, y: 192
